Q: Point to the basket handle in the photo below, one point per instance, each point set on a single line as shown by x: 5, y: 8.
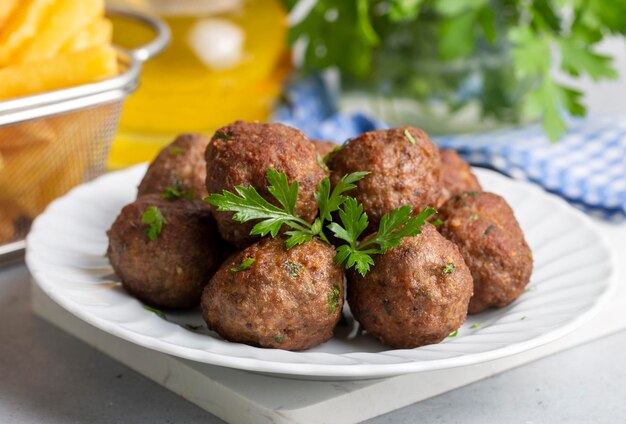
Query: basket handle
x: 162, y: 31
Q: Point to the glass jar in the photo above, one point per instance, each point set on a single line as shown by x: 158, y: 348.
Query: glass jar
x: 226, y: 61
x: 409, y: 83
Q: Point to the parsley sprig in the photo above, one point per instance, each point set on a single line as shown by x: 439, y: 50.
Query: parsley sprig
x: 248, y: 204
x: 393, y: 227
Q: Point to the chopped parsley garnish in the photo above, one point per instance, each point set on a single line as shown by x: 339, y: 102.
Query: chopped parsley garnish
x: 474, y: 217
x: 221, y: 136
x: 245, y: 264
x: 475, y: 326
x: 192, y: 327
x: 176, y: 190
x: 333, y: 299
x: 294, y: 268
x: 279, y: 338
x: 454, y: 334
x: 176, y: 151
x: 156, y: 311
x: 248, y: 204
x: 523, y: 318
x: 409, y: 136
x: 321, y: 163
x: 489, y: 229
x: 437, y: 223
x: 155, y: 220
x: 448, y: 269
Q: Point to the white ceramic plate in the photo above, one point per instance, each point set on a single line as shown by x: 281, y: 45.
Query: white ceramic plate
x: 572, y: 276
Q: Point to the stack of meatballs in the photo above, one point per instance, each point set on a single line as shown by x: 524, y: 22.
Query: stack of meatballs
x: 254, y: 290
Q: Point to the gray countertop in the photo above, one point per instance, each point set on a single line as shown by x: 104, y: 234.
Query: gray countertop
x: 48, y: 376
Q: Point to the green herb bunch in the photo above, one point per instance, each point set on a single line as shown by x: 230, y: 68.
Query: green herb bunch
x: 359, y: 37
x: 248, y: 204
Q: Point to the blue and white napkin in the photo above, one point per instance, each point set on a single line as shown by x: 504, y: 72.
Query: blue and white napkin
x: 587, y: 166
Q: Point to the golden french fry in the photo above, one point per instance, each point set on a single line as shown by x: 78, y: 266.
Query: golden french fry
x: 7, y: 7
x: 1, y: 162
x: 66, y: 17
x: 22, y: 27
x: 90, y: 65
x: 97, y: 33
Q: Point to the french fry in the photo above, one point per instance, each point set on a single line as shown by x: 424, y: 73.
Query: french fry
x: 22, y: 27
x: 1, y: 162
x: 98, y: 32
x: 66, y: 17
x: 7, y: 7
x: 72, y: 69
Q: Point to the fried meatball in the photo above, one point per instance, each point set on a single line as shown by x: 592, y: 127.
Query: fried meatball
x: 171, y: 270
x: 269, y: 296
x: 324, y: 147
x: 456, y: 176
x: 241, y: 153
x: 180, y: 166
x: 493, y: 245
x: 416, y: 294
x: 404, y: 170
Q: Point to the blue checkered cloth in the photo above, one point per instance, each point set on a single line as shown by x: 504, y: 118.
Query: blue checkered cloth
x: 587, y: 167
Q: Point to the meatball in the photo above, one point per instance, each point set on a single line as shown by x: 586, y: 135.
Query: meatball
x: 416, y: 294
x: 170, y: 270
x: 240, y: 154
x: 180, y: 166
x: 324, y: 147
x: 269, y: 296
x: 404, y: 168
x: 493, y: 245
x: 456, y: 176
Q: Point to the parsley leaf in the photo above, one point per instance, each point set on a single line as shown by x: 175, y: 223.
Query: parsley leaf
x: 176, y: 190
x: 330, y: 202
x: 448, y: 269
x: 245, y: 264
x: 249, y: 205
x: 155, y: 220
x: 392, y: 228
x: 156, y: 311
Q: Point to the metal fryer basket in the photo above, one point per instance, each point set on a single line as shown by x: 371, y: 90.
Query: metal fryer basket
x: 53, y: 141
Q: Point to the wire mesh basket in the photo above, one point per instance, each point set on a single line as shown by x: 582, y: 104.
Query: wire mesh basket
x: 53, y: 141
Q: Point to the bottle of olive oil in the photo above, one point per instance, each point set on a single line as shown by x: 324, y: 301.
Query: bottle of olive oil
x: 226, y: 61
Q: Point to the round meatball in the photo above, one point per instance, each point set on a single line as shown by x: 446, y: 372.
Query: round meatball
x: 269, y: 296
x: 404, y: 168
x: 324, y: 147
x: 416, y: 294
x: 180, y: 167
x: 241, y: 153
x: 456, y: 176
x: 493, y: 245
x: 167, y: 269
